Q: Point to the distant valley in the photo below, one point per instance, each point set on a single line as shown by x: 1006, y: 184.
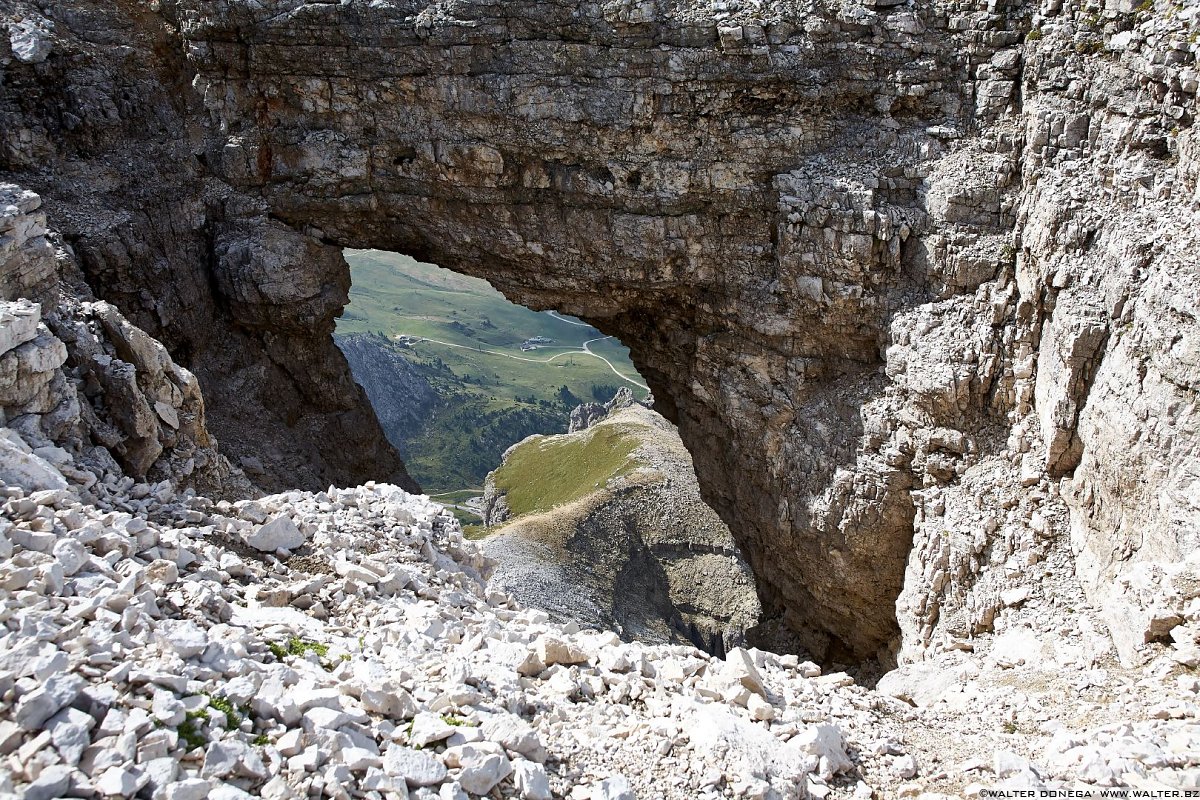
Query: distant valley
x: 457, y: 373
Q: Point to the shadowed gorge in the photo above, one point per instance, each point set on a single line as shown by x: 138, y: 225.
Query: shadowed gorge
x: 867, y: 258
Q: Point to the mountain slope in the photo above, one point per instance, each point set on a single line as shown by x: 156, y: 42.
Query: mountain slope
x: 606, y: 526
x: 399, y: 393
x: 457, y: 373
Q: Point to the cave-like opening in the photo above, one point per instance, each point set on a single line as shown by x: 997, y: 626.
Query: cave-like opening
x: 533, y: 428
x: 457, y: 373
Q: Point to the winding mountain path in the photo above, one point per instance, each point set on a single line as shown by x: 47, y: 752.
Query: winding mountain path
x: 561, y: 318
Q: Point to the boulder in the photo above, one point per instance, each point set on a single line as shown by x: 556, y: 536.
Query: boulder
x: 278, y: 534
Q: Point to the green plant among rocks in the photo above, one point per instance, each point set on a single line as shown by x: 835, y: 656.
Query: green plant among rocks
x: 233, y: 717
x: 189, y: 729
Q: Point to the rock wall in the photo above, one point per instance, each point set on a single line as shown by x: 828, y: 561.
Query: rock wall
x: 98, y: 117
x: 917, y: 283
x: 739, y: 199
x: 86, y: 397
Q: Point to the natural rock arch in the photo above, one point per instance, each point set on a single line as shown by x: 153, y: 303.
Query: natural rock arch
x: 805, y: 221
x: 667, y: 181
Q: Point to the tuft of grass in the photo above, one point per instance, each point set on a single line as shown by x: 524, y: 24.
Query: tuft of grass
x: 262, y: 740
x: 1034, y: 35
x: 458, y: 722
x: 545, y: 473
x: 226, y: 707
x: 189, y: 730
x: 295, y: 646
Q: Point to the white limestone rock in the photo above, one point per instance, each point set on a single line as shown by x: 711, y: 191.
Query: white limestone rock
x: 428, y: 728
x: 824, y: 742
x: 613, y: 788
x: 30, y: 39
x: 119, y: 782
x: 18, y: 323
x: 280, y: 533
x: 514, y: 734
x: 415, y: 767
x: 52, y: 783
x: 531, y: 781
x: 479, y: 775
x: 551, y: 650
x: 740, y: 669
x: 183, y: 636
x: 39, y: 705
x: 19, y: 466
x: 187, y: 789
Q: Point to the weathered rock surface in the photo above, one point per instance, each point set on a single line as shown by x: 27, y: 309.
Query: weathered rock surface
x: 88, y: 397
x: 105, y: 128
x: 641, y: 554
x: 151, y: 653
x: 399, y: 394
x: 916, y: 283
x: 159, y: 643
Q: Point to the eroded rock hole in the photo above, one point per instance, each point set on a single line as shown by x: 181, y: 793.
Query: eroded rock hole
x: 404, y: 156
x: 535, y: 429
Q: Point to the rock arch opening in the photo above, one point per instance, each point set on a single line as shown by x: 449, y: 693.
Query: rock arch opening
x: 760, y: 216
x: 457, y: 373
x: 688, y: 208
x: 535, y: 429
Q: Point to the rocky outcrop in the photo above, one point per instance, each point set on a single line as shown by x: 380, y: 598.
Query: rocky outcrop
x: 87, y: 397
x: 100, y: 120
x: 915, y: 282
x: 585, y: 415
x: 639, y: 552
x: 399, y: 394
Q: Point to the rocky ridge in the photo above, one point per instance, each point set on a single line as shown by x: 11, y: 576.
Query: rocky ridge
x: 640, y: 554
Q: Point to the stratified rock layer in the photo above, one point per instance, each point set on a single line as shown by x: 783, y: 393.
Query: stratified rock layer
x: 106, y: 130
x: 917, y: 283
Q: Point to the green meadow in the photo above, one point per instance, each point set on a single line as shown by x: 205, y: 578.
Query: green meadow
x: 493, y: 393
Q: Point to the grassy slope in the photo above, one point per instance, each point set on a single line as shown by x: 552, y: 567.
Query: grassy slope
x: 548, y: 472
x: 392, y: 294
x: 481, y: 414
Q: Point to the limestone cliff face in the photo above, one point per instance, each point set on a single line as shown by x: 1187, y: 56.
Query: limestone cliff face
x: 400, y: 395
x: 86, y: 397
x: 918, y: 284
